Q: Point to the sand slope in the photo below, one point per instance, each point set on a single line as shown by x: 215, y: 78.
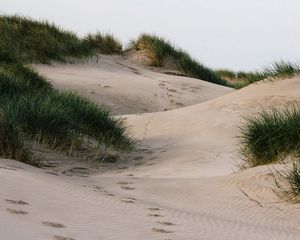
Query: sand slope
x: 126, y: 87
x: 201, y: 140
x: 183, y: 186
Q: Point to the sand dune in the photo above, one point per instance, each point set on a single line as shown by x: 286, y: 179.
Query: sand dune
x: 181, y: 183
x: 126, y: 87
x: 201, y: 140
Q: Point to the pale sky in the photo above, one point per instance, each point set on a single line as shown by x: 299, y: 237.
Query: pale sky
x: 235, y: 34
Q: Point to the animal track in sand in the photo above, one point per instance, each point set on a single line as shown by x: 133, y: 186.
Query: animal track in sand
x: 17, y: 202
x: 62, y: 238
x: 16, y: 211
x: 53, y: 224
x: 159, y: 230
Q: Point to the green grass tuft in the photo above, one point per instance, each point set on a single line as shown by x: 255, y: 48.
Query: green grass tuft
x: 157, y: 49
x: 31, y: 109
x: 29, y: 40
x: 270, y: 136
x: 103, y: 43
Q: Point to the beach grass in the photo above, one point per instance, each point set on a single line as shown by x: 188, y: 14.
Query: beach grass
x: 103, y: 43
x: 27, y: 40
x: 270, y: 136
x: 32, y: 110
x: 158, y: 49
x: 277, y: 70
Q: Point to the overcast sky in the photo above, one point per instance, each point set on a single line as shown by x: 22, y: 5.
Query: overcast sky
x: 236, y: 34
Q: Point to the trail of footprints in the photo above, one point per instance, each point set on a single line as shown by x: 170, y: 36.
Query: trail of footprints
x: 153, y: 212
x: 45, y: 223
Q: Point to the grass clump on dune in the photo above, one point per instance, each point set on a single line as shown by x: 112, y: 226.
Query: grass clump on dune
x: 270, y: 136
x: 103, y: 43
x: 157, y: 50
x: 32, y: 110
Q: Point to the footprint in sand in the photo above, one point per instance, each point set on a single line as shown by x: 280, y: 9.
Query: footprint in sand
x: 171, y: 90
x: 154, y: 209
x: 16, y: 211
x: 127, y: 201
x: 155, y: 215
x: 166, y: 223
x: 127, y: 188
x: 53, y: 224
x: 160, y: 230
x: 17, y: 202
x: 98, y: 188
x: 110, y: 194
x: 62, y: 238
x: 124, y: 183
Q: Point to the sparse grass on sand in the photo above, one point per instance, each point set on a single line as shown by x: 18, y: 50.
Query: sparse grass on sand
x: 158, y: 49
x: 270, y: 136
x: 277, y: 70
x: 288, y: 182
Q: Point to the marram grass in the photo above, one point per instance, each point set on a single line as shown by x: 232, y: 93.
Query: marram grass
x: 270, y: 136
x: 31, y: 109
x: 157, y: 49
x: 30, y: 41
x: 277, y: 70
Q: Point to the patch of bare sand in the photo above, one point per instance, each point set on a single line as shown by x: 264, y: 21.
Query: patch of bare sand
x: 126, y: 87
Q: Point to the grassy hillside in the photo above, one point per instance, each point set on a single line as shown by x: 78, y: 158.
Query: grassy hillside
x: 29, y: 40
x: 157, y: 49
x: 31, y: 109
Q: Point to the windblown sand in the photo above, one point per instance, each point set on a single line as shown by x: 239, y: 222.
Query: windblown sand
x: 182, y: 183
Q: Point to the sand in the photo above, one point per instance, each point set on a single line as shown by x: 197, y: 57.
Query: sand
x: 127, y: 87
x: 182, y: 183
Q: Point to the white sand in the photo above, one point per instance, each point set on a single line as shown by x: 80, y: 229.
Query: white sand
x: 185, y: 178
x: 126, y: 87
